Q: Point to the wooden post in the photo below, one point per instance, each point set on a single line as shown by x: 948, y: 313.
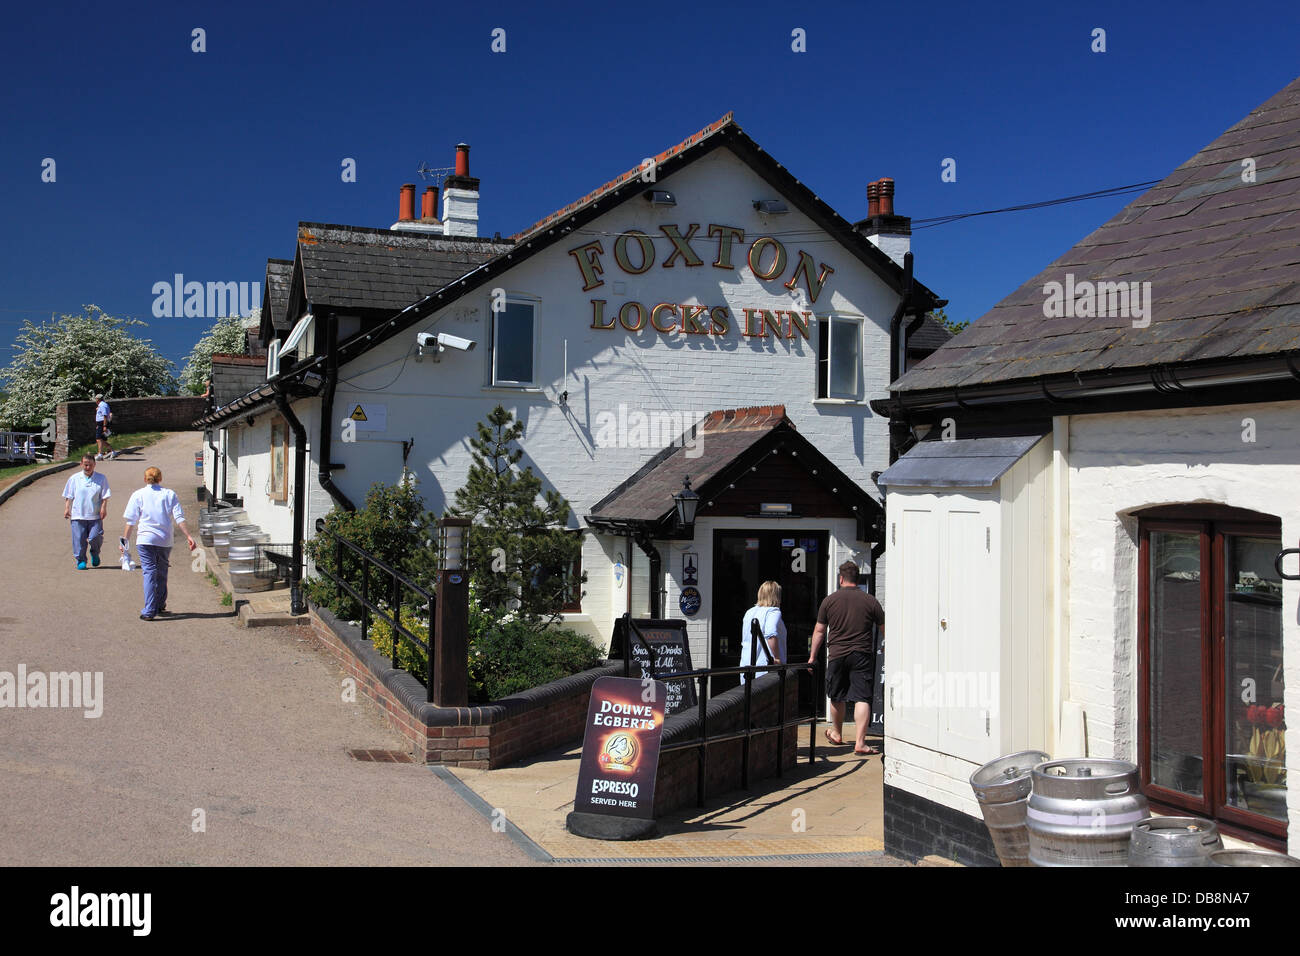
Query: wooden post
x: 451, y: 627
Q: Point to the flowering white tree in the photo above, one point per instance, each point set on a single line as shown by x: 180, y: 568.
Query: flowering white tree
x: 226, y: 337
x: 73, y: 357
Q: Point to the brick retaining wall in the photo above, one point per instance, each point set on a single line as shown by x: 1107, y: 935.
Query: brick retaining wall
x: 483, y: 737
x: 675, y: 785
x: 74, y: 422
x: 543, y: 718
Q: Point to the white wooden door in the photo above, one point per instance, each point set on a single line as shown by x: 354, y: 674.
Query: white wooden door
x: 968, y: 627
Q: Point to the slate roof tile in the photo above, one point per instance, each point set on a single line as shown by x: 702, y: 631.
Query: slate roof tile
x: 1222, y: 257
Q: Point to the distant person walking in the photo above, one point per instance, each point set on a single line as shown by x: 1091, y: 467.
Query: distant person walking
x: 153, y: 508
x: 847, y: 616
x: 770, y: 646
x: 85, y: 504
x: 103, y: 415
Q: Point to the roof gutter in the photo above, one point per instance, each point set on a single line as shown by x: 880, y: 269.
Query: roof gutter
x: 1067, y: 390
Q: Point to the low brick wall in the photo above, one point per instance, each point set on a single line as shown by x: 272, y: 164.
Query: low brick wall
x: 675, y: 785
x: 916, y: 827
x: 483, y: 737
x: 74, y: 422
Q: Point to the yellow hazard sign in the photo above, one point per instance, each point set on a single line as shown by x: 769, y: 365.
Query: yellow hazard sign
x: 359, y: 414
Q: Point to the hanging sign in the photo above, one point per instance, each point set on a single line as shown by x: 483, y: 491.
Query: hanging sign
x: 690, y: 568
x: 690, y: 601
x: 620, y: 748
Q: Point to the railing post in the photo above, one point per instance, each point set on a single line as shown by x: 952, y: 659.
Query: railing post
x: 704, y: 736
x: 819, y: 695
x: 395, y: 600
x: 338, y: 563
x: 780, y: 724
x: 748, y: 681
x: 428, y: 683
x: 365, y: 594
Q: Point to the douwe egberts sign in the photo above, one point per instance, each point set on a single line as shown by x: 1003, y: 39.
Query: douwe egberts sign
x: 620, y: 750
x: 766, y: 258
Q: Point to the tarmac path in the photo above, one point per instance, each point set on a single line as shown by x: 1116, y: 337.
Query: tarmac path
x: 247, y: 726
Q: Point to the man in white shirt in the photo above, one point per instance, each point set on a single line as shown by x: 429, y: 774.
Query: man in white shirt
x: 154, y: 508
x: 103, y: 415
x: 771, y: 645
x: 85, y: 504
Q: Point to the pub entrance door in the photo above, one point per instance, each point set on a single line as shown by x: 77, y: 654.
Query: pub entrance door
x: 742, y: 560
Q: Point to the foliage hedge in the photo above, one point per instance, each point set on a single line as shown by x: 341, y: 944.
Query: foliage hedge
x: 505, y: 656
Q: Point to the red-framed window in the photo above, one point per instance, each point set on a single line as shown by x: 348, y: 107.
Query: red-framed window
x: 1211, y: 727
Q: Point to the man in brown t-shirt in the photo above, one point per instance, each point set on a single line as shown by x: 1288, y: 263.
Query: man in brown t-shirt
x: 848, y: 615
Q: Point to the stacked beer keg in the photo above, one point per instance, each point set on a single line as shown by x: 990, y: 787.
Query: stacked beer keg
x: 1091, y: 812
x: 243, y: 554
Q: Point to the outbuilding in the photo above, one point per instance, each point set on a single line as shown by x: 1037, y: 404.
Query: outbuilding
x: 1090, y: 518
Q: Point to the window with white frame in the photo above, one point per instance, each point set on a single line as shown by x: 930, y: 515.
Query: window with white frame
x: 839, y: 357
x: 514, y: 341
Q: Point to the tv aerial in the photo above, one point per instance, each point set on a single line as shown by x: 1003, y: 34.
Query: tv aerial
x: 436, y: 173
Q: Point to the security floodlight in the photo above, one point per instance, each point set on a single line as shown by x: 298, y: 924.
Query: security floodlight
x: 772, y: 207
x: 659, y: 197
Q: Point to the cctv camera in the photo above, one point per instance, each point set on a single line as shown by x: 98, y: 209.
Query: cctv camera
x: 455, y: 342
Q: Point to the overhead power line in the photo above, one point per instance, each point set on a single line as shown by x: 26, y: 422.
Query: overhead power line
x: 1095, y: 194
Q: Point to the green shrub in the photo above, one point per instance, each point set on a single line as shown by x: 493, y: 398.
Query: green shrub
x: 505, y: 656
x: 393, y: 527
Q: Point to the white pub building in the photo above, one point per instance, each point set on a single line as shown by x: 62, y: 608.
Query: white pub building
x: 704, y: 315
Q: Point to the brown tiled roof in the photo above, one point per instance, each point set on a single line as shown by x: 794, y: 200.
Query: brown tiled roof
x: 1222, y: 256
x: 720, y: 438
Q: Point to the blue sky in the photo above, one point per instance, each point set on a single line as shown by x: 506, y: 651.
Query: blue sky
x: 173, y: 161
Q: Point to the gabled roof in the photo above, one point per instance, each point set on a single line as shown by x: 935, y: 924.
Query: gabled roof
x: 724, y: 447
x: 1222, y: 257
x: 559, y: 224
x: 929, y: 336
x: 364, y: 269
x: 275, y: 298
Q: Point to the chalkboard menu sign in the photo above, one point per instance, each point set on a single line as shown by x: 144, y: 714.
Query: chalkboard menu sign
x: 672, y: 655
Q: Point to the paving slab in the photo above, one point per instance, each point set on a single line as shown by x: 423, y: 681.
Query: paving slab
x: 828, y: 811
x: 216, y: 745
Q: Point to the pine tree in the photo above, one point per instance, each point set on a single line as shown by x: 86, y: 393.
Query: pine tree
x: 521, y: 555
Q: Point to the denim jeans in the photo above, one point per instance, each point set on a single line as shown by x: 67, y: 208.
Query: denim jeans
x: 154, y: 560
x: 86, y: 532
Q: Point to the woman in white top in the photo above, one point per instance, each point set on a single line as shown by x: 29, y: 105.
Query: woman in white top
x: 771, y: 649
x: 154, y: 508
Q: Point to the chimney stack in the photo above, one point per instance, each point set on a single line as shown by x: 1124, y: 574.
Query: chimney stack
x: 886, y: 197
x: 460, y: 198
x: 406, y: 203
x: 890, y: 233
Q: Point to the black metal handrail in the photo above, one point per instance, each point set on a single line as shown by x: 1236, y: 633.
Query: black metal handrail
x: 703, y: 741
x: 397, y: 583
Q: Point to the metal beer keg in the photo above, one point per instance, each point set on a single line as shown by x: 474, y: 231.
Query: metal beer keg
x: 1081, y: 812
x: 1251, y: 858
x: 1173, y: 841
x: 244, y: 555
x: 1002, y: 788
